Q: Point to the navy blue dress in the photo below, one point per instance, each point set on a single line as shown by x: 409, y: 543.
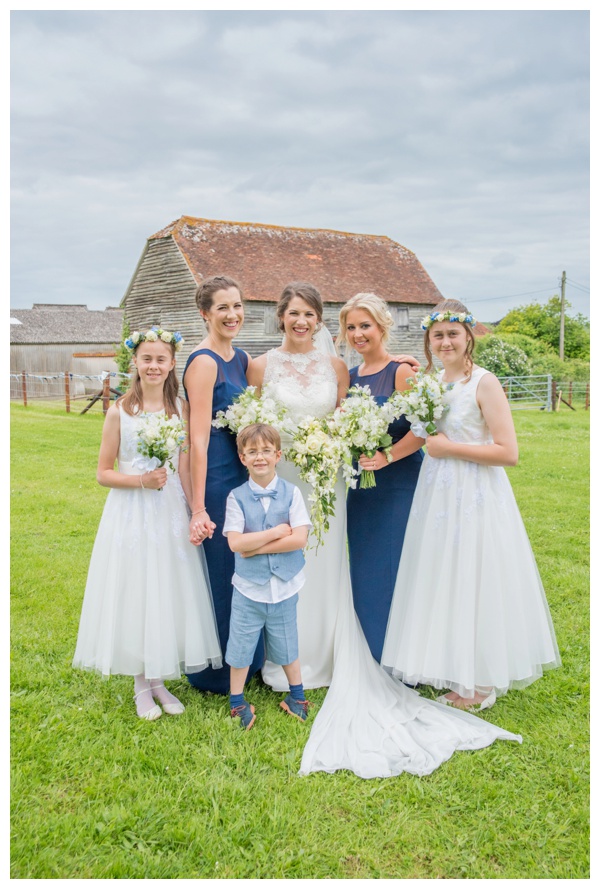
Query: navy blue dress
x: 377, y: 520
x: 224, y: 472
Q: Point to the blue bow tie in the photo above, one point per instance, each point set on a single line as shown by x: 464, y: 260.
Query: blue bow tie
x: 265, y: 493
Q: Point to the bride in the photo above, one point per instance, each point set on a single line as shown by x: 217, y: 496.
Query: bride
x: 369, y: 722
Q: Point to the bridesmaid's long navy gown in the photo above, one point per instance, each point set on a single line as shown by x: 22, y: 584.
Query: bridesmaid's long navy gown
x: 224, y: 473
x: 377, y: 520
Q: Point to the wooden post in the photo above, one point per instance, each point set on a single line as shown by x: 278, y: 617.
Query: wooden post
x: 554, y: 395
x: 24, y: 386
x: 571, y: 393
x: 67, y: 392
x: 106, y: 393
x: 587, y: 397
x: 559, y: 398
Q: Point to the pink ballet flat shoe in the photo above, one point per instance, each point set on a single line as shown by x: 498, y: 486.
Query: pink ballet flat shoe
x: 153, y: 713
x: 444, y: 699
x: 485, y: 704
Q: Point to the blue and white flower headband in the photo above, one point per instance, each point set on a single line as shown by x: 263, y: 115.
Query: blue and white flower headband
x: 151, y: 336
x: 463, y: 317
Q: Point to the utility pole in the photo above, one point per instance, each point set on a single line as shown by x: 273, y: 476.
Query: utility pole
x: 561, y: 338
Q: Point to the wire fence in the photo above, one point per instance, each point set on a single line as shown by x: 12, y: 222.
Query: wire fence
x: 73, y: 391
x: 84, y: 392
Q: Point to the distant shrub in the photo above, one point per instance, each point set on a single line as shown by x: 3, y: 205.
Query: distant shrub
x: 501, y: 358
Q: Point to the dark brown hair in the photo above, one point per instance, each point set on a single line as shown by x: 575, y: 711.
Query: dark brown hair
x: 207, y: 289
x: 306, y: 292
x: 133, y: 400
x: 250, y: 435
x: 452, y: 305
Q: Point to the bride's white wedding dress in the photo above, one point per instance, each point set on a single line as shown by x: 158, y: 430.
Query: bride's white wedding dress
x: 369, y: 723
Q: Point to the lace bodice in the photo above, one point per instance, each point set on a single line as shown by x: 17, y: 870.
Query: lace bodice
x: 305, y: 383
x: 464, y: 421
x: 131, y: 462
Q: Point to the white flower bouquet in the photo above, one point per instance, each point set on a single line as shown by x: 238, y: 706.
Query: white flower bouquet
x: 362, y: 425
x: 422, y: 404
x: 318, y: 456
x: 159, y: 439
x: 249, y: 408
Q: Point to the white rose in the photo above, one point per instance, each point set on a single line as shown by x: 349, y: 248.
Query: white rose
x: 165, y: 337
x: 171, y: 444
x: 151, y: 336
x: 360, y: 439
x: 313, y: 443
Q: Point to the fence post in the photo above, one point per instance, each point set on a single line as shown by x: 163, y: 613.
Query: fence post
x: 67, y: 392
x: 587, y: 396
x: 571, y: 393
x: 106, y: 393
x: 554, y: 397
x: 24, y: 387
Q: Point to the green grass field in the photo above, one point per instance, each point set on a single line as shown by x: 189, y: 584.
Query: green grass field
x: 98, y: 793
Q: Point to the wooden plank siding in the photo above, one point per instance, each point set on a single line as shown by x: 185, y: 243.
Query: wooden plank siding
x: 162, y: 291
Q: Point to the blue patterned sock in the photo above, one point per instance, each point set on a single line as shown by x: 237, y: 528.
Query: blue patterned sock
x: 236, y: 700
x: 297, y: 692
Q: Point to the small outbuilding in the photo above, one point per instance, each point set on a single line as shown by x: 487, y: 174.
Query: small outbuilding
x: 55, y: 338
x: 264, y: 258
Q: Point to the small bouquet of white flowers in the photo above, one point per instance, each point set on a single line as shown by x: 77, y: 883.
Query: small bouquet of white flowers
x: 362, y: 425
x: 249, y: 408
x: 159, y: 439
x: 318, y: 456
x: 422, y: 404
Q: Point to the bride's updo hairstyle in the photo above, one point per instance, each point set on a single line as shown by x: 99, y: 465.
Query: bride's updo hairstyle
x: 377, y: 309
x: 306, y: 292
x: 452, y: 305
x: 207, y: 289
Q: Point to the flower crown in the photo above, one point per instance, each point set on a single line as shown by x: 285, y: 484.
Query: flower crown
x: 151, y: 336
x: 463, y: 317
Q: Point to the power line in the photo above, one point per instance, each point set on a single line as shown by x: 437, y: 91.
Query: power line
x: 578, y: 286
x: 570, y: 281
x: 509, y: 296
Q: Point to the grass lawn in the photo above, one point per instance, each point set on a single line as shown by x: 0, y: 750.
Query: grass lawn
x: 98, y: 793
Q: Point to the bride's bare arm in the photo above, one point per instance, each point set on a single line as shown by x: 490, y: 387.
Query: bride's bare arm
x: 256, y: 372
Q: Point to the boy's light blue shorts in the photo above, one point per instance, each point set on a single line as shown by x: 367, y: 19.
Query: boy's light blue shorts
x: 248, y: 618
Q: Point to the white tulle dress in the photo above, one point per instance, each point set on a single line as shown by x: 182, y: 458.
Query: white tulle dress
x: 147, y: 607
x: 369, y: 723
x: 469, y: 611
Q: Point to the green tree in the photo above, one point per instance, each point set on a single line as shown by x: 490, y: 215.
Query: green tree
x: 502, y: 358
x: 542, y: 322
x: 123, y: 355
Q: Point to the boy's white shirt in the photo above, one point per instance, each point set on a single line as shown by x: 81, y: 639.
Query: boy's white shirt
x: 275, y: 589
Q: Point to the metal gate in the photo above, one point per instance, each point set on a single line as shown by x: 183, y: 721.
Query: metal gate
x: 528, y: 392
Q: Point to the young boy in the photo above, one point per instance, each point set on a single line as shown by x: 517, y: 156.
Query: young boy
x: 266, y: 525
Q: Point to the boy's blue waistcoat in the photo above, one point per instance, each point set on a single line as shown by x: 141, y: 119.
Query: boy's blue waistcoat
x: 259, y: 569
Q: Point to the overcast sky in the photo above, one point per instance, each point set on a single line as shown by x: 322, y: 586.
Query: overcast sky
x: 463, y: 136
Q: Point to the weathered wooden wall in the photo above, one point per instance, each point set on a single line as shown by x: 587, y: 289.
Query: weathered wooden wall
x: 58, y: 358
x: 162, y: 291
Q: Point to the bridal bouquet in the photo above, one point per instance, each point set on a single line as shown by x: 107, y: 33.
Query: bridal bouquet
x: 422, y: 404
x: 362, y: 425
x: 249, y: 408
x: 159, y: 439
x: 318, y: 456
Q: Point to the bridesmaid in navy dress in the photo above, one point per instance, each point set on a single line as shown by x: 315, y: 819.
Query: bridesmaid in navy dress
x: 377, y: 516
x: 214, y: 374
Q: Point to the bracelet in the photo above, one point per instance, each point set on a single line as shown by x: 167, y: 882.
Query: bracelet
x: 389, y: 456
x: 199, y: 511
x: 142, y: 480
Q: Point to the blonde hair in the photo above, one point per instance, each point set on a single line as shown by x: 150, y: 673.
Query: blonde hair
x: 251, y: 435
x: 377, y: 309
x: 452, y: 305
x: 133, y: 400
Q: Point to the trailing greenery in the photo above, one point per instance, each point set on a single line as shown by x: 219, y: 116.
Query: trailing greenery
x: 100, y: 794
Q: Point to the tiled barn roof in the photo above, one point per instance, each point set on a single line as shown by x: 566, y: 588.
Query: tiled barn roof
x: 54, y: 323
x: 264, y: 258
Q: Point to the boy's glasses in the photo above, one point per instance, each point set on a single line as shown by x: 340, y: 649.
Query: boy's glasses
x: 266, y: 452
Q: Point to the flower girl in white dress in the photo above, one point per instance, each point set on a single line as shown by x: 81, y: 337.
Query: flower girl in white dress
x: 147, y: 610
x: 469, y: 611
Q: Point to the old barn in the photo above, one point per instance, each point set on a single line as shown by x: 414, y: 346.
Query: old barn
x: 264, y: 258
